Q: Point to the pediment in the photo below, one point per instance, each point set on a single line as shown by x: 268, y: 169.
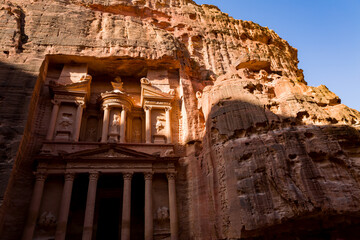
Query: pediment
x: 111, y: 152
x: 82, y: 87
x: 152, y: 93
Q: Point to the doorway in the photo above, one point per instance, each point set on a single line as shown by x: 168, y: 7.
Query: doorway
x: 108, y: 207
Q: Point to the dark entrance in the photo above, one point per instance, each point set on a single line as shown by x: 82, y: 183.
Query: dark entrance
x: 108, y: 207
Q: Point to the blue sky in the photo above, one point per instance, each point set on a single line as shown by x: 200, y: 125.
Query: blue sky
x: 325, y: 32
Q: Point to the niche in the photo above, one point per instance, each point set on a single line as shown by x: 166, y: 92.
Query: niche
x: 136, y: 130
x: 65, y: 122
x: 91, y: 130
x: 158, y: 126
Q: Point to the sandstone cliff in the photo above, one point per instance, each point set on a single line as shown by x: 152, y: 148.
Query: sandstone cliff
x: 266, y: 154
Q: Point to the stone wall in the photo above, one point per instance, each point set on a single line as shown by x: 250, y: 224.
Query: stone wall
x: 264, y: 150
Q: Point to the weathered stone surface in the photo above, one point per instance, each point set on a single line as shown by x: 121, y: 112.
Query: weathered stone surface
x: 266, y: 154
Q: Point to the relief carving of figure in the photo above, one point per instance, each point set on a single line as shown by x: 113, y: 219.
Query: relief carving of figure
x: 91, y: 133
x: 159, y: 124
x: 66, y: 121
x: 162, y: 213
x: 47, y: 219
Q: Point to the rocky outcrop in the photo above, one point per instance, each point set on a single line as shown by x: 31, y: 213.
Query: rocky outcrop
x: 266, y: 154
x: 271, y: 161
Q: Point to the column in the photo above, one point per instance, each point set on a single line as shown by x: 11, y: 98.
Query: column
x: 90, y: 206
x: 122, y: 125
x: 125, y: 227
x: 172, y: 206
x: 79, y: 112
x: 64, y: 207
x: 54, y: 115
x: 168, y: 125
x: 148, y: 206
x: 34, y: 206
x: 148, y: 123
x: 105, y: 128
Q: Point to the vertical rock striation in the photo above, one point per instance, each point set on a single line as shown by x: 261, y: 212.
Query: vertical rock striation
x: 266, y: 154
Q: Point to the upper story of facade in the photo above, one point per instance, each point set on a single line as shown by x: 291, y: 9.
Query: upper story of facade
x: 87, y: 104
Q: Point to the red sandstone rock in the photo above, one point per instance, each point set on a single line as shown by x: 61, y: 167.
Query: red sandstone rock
x: 266, y: 155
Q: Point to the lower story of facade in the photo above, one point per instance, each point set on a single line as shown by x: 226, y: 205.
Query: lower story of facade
x: 106, y: 191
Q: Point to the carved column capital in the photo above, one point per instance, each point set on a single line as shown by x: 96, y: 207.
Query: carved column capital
x: 40, y: 175
x: 106, y: 107
x: 124, y: 108
x: 168, y: 109
x: 171, y: 176
x: 145, y: 81
x: 94, y: 176
x: 148, y: 175
x: 127, y: 176
x: 146, y: 108
x: 69, y: 176
x: 55, y: 102
x: 80, y: 104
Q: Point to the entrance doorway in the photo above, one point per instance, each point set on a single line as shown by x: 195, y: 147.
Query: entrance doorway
x: 108, y: 207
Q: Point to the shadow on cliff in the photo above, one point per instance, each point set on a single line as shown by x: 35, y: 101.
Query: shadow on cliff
x: 267, y: 176
x: 16, y: 106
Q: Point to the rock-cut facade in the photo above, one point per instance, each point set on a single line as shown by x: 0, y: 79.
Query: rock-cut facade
x: 164, y: 119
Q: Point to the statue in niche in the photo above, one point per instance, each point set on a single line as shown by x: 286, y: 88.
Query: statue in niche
x: 159, y: 124
x: 118, y: 85
x: 114, y: 128
x: 66, y: 121
x: 47, y: 220
x: 115, y: 123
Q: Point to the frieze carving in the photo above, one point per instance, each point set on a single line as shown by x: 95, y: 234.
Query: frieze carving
x: 157, y: 103
x: 127, y: 176
x: 148, y: 175
x: 61, y: 97
x: 110, y: 154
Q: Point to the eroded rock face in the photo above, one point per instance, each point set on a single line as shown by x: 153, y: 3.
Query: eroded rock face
x: 266, y: 155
